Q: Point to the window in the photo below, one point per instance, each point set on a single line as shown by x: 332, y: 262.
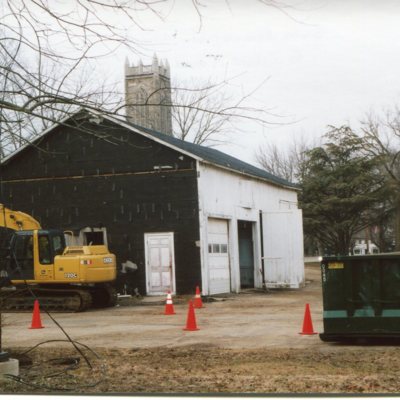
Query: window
x: 23, y: 249
x: 218, y: 248
x: 58, y: 245
x: 21, y: 258
x: 94, y: 238
x: 44, y: 250
x: 215, y: 248
x: 224, y: 248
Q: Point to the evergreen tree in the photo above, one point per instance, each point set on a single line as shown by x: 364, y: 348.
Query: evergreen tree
x: 343, y: 190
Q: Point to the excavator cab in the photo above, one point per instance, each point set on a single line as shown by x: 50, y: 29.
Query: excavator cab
x: 33, y: 247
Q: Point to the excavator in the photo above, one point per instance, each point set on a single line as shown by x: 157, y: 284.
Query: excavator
x: 38, y: 264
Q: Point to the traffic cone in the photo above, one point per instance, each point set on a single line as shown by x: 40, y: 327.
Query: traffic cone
x: 307, y: 323
x: 191, y: 319
x: 197, y: 299
x: 36, y: 321
x: 169, y: 305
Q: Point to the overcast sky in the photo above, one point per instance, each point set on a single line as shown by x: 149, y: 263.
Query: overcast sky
x: 328, y: 62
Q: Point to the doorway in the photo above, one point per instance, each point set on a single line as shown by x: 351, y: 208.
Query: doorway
x: 160, y: 262
x: 246, y: 254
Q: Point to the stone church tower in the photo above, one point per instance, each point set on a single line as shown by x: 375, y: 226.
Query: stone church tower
x: 148, y: 95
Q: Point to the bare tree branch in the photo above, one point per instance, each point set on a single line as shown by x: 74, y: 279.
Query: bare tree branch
x: 45, y: 46
x: 286, y: 163
x: 209, y: 113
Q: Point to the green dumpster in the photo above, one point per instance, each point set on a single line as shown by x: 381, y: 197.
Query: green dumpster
x: 361, y: 297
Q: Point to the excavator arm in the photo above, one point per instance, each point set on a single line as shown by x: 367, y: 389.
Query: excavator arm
x: 17, y: 220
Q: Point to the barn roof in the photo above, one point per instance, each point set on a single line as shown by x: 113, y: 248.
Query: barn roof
x: 216, y: 157
x: 199, y: 152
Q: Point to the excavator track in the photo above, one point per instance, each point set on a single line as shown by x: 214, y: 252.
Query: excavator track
x: 104, y: 296
x: 54, y: 300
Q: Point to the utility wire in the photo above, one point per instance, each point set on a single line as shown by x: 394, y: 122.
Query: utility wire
x: 75, y: 344
x: 75, y: 363
x: 18, y: 269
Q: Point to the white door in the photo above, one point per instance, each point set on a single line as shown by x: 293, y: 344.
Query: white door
x: 160, y: 263
x: 218, y: 256
x: 283, y: 248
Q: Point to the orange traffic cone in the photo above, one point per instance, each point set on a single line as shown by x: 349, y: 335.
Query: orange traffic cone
x: 307, y: 323
x: 197, y: 299
x: 191, y: 319
x: 169, y: 306
x: 36, y: 321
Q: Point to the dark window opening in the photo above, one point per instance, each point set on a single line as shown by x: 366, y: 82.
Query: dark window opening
x: 246, y: 256
x: 94, y: 238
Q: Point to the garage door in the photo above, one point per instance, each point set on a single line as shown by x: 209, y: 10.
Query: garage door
x: 218, y: 256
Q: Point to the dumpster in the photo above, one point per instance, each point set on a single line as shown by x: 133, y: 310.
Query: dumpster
x: 361, y: 297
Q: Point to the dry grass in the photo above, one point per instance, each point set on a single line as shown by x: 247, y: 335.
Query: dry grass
x: 207, y: 369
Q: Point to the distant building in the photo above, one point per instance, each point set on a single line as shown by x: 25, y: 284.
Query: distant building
x: 363, y: 243
x: 148, y: 95
x: 363, y: 246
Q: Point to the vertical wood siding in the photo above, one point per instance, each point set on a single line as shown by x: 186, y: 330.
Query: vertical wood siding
x: 234, y: 197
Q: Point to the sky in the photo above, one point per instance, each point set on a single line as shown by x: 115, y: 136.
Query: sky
x: 323, y: 62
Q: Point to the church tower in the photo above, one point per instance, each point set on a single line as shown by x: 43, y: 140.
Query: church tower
x: 148, y: 95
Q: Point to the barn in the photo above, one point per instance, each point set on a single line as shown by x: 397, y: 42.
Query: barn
x: 181, y: 214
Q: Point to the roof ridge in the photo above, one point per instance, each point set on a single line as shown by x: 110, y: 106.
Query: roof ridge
x: 197, y: 151
x: 203, y: 151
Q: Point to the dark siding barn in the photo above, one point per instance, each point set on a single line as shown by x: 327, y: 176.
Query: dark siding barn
x: 115, y: 178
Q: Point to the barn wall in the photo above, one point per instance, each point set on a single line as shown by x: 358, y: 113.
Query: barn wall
x: 233, y: 197
x: 117, y: 179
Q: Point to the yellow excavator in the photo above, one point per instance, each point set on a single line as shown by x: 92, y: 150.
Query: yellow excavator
x: 63, y: 278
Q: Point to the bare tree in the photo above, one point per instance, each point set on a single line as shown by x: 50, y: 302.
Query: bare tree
x: 208, y: 114
x: 286, y: 163
x: 45, y: 49
x: 20, y: 124
x: 382, y: 139
x: 45, y: 46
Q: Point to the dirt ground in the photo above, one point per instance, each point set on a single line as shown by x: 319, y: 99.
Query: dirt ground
x: 246, y: 343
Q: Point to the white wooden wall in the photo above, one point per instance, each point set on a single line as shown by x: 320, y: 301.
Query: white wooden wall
x: 233, y: 197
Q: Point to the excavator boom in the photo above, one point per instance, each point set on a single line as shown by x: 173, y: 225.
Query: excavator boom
x: 17, y: 220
